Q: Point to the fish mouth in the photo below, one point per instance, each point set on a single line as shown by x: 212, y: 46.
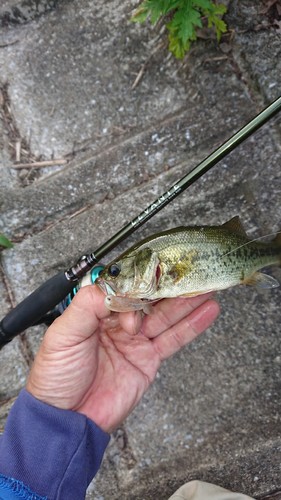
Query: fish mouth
x: 105, y: 286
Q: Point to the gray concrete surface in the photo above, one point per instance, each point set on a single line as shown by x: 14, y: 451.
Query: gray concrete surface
x: 66, y: 85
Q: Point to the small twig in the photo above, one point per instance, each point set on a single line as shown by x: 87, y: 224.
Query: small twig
x: 40, y: 164
x: 215, y: 59
x: 3, y: 45
x: 80, y: 211
x: 145, y: 64
x: 18, y: 150
x: 139, y: 76
x: 8, y: 288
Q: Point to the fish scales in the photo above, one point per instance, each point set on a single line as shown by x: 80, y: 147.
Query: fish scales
x: 188, y: 261
x: 196, y: 258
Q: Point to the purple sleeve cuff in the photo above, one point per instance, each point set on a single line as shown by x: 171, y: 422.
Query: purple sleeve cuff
x: 54, y: 452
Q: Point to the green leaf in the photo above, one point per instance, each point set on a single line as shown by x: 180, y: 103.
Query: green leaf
x: 203, y: 4
x: 219, y: 9
x: 220, y: 28
x: 140, y: 15
x: 184, y: 23
x: 4, y: 242
x: 157, y: 8
x: 182, y: 18
x: 219, y: 24
x: 176, y: 47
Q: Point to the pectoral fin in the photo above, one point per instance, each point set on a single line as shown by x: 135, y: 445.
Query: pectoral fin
x: 148, y: 309
x: 262, y: 280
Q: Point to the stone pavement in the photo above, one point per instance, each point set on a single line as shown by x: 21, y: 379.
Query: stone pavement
x: 67, y: 91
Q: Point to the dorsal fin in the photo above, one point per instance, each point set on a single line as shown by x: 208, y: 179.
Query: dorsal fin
x: 277, y: 239
x: 235, y: 226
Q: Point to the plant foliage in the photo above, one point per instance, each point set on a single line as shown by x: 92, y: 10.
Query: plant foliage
x: 182, y: 18
x: 4, y: 242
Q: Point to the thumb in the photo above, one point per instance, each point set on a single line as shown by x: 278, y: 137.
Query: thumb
x: 80, y: 320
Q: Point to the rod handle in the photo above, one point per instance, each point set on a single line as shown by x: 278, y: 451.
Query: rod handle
x: 31, y: 309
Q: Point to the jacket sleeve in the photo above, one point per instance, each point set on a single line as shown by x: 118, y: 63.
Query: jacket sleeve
x: 55, y: 453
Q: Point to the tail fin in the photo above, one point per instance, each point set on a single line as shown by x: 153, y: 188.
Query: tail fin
x: 277, y: 242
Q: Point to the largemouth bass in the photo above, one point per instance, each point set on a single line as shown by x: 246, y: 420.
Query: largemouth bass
x: 187, y: 261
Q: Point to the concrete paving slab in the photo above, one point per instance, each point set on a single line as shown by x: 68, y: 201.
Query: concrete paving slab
x: 13, y: 370
x: 94, y: 47
x: 232, y: 408
x: 5, y: 407
x: 13, y: 367
x: 14, y: 12
x: 257, y: 46
x: 214, y: 410
x: 8, y: 177
x: 177, y: 139
x: 229, y: 379
x: 268, y: 43
x: 248, y: 179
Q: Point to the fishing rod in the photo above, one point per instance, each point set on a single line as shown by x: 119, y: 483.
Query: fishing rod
x: 53, y: 291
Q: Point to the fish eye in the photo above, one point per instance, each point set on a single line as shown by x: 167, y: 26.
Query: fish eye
x: 114, y: 270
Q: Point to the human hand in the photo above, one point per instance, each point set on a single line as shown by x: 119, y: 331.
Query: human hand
x: 100, y: 363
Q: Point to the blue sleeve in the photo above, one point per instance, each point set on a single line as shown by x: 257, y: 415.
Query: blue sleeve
x: 54, y: 452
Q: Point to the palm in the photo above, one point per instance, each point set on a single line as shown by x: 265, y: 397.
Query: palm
x: 126, y: 365
x: 100, y: 364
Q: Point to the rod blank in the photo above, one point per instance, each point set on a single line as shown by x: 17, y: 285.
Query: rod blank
x: 190, y: 178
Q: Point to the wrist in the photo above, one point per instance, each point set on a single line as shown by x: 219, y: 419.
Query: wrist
x: 66, y: 445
